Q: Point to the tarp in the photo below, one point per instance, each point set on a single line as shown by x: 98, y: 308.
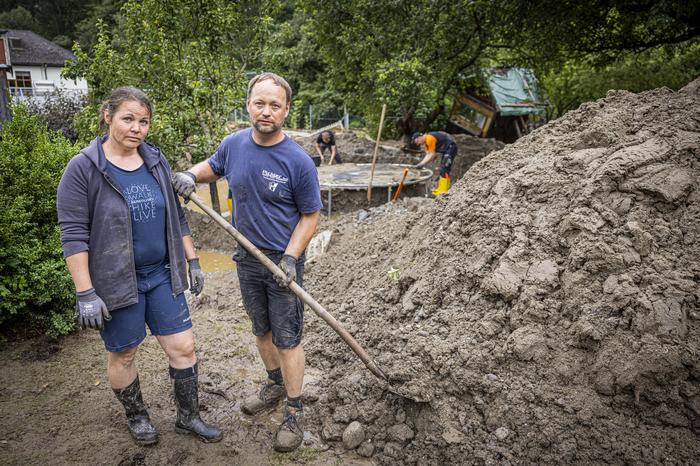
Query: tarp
x: 515, y: 91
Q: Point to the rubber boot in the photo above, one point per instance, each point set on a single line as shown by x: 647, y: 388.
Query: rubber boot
x: 137, y: 417
x: 186, y: 389
x: 443, y: 185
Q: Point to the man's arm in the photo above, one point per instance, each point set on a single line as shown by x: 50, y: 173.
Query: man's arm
x: 203, y: 173
x: 320, y: 152
x: 332, y: 159
x: 429, y: 157
x: 79, y: 270
x: 302, y: 234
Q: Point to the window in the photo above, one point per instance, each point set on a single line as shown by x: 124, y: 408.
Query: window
x: 22, y: 84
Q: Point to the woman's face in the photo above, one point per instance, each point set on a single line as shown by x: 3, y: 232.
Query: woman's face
x: 129, y: 124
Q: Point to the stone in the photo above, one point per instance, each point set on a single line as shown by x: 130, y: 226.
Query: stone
x: 366, y: 449
x: 400, y: 433
x: 353, y: 435
x: 502, y: 433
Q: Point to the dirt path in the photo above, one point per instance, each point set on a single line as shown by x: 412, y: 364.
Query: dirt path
x: 57, y: 407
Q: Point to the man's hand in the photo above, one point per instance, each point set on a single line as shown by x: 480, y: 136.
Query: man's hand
x: 184, y: 184
x: 196, y: 276
x: 90, y: 310
x: 288, y: 264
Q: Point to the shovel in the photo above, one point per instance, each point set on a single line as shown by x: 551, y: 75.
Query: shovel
x: 296, y: 289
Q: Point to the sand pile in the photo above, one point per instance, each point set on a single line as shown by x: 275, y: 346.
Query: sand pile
x: 544, y: 311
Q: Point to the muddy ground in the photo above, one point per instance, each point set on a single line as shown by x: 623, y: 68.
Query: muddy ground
x: 544, y: 311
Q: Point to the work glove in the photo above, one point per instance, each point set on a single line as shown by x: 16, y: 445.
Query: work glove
x: 90, y: 310
x: 418, y: 166
x: 288, y: 264
x: 196, y: 276
x: 184, y: 184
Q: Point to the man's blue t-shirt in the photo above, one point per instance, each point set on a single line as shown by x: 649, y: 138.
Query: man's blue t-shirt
x: 147, y: 209
x: 272, y: 186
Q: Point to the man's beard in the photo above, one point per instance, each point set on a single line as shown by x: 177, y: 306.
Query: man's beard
x: 269, y: 129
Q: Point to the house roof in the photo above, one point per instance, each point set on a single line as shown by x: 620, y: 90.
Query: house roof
x: 29, y: 48
x: 515, y: 91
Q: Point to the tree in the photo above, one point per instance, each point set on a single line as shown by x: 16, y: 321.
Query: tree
x: 18, y: 18
x: 190, y: 57
x: 410, y: 55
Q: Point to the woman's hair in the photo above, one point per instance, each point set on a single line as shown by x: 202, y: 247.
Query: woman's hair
x: 277, y: 79
x: 118, y: 97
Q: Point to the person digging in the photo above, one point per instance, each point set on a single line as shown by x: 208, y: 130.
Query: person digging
x: 437, y: 142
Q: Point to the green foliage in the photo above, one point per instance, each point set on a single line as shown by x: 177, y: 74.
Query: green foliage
x: 18, y: 18
x: 579, y: 81
x: 190, y: 57
x: 35, y: 288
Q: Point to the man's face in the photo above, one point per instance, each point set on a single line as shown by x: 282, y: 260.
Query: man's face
x: 419, y: 140
x: 326, y: 137
x: 267, y: 107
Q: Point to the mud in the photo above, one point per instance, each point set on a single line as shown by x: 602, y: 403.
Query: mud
x: 545, y: 311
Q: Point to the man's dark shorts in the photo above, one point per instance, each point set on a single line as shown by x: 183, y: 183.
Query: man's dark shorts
x: 164, y: 313
x: 269, y: 306
x: 447, y: 158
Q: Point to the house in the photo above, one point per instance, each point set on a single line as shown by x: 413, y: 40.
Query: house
x: 33, y: 65
x: 506, y: 112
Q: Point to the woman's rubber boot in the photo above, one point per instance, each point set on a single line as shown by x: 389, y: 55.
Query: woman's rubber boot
x: 186, y: 389
x: 443, y: 185
x: 137, y: 417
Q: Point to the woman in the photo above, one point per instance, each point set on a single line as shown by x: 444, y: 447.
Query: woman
x: 125, y: 240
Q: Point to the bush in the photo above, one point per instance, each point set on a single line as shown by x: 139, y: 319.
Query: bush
x: 36, y: 292
x: 58, y: 109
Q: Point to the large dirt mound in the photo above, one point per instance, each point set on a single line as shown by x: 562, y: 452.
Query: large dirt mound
x: 546, y: 309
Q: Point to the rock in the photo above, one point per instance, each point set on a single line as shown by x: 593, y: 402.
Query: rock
x: 528, y: 343
x: 353, y: 435
x: 366, y: 449
x: 393, y: 449
x: 400, y: 433
x: 362, y: 215
x: 502, y: 433
x: 453, y: 436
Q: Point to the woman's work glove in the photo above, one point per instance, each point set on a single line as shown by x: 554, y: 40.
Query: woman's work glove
x: 196, y: 276
x: 90, y: 310
x: 288, y: 264
x: 184, y: 184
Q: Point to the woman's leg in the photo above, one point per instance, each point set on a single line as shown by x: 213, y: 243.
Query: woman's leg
x: 180, y: 349
x: 121, y: 368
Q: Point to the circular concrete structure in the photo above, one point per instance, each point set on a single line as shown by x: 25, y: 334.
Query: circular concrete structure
x: 346, y: 184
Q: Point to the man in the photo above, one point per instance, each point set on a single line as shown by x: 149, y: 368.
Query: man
x: 276, y: 205
x: 326, y: 141
x: 437, y: 142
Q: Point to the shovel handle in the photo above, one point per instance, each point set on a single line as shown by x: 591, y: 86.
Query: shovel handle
x: 296, y: 289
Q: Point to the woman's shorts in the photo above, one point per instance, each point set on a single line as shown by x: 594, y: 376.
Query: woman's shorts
x: 164, y: 313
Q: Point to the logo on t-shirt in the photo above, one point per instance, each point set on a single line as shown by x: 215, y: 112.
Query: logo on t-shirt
x: 273, y: 185
x: 141, y: 202
x: 274, y: 177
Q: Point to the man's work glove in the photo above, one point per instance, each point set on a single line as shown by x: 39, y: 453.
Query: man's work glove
x: 288, y: 264
x: 419, y: 166
x: 90, y: 310
x: 184, y: 184
x: 196, y: 276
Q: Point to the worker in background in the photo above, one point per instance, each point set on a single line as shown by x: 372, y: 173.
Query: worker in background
x: 437, y: 142
x: 326, y: 141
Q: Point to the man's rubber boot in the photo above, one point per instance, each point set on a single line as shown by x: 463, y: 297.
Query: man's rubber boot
x: 187, y: 401
x: 137, y: 417
x: 270, y: 394
x: 443, y: 185
x: 291, y: 431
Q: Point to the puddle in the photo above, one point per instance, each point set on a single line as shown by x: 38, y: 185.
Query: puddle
x: 213, y: 261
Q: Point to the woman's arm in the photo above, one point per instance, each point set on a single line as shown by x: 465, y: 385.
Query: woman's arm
x: 79, y: 271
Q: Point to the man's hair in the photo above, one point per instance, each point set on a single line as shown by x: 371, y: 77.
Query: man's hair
x: 415, y: 136
x: 277, y: 79
x: 118, y: 97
